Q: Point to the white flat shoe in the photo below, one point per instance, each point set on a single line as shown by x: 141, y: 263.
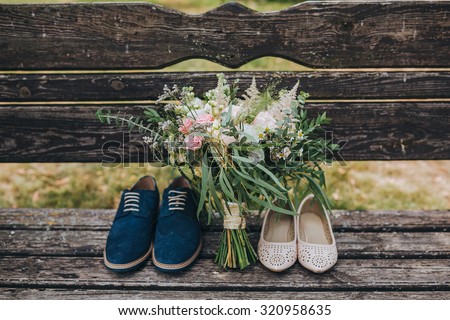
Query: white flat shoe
x: 317, y: 249
x: 277, y: 248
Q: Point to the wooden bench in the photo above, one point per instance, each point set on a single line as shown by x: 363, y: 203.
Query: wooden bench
x: 381, y: 71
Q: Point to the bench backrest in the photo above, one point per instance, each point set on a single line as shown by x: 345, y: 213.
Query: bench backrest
x: 381, y: 71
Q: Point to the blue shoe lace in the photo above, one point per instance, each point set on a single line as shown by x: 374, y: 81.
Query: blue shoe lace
x: 177, y: 199
x: 131, y: 201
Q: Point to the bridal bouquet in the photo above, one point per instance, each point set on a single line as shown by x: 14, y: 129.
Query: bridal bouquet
x: 254, y: 152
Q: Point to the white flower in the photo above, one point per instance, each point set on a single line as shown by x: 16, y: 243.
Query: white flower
x: 274, y: 153
x: 285, y: 153
x: 216, y: 124
x: 166, y: 124
x: 207, y: 108
x: 250, y: 130
x: 264, y: 122
x: 214, y: 129
x: 181, y: 109
x: 197, y: 103
x: 194, y: 114
x: 147, y: 139
x: 276, y: 112
x: 227, y: 139
x: 168, y: 107
x: 284, y: 103
x: 235, y: 110
x: 215, y: 110
x: 300, y: 134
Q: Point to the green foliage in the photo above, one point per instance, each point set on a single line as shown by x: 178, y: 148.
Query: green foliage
x: 257, y: 169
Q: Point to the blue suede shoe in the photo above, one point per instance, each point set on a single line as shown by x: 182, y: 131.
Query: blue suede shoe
x: 129, y: 242
x: 178, y: 238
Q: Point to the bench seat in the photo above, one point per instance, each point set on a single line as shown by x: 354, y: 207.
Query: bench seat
x: 57, y: 254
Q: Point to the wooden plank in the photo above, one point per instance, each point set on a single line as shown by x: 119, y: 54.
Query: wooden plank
x: 83, y: 294
x: 348, y: 274
x: 359, y: 245
x: 56, y: 219
x: 123, y: 35
x: 343, y: 221
x: 148, y: 86
x: 392, y: 220
x: 374, y: 131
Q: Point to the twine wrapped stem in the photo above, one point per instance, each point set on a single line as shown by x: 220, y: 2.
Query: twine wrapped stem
x: 235, y: 249
x: 232, y: 218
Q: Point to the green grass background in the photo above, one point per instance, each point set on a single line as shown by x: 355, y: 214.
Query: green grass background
x: 359, y: 185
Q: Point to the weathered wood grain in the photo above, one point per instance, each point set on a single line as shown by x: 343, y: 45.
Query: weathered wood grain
x: 374, y: 131
x: 343, y: 221
x: 24, y: 232
x: 348, y: 274
x: 320, y: 34
x: 148, y: 86
x: 77, y: 294
x: 359, y: 245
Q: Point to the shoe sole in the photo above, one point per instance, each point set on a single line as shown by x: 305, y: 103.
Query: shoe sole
x: 126, y: 266
x: 178, y: 267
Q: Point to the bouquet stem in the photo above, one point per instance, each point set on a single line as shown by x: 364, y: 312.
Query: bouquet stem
x: 235, y: 249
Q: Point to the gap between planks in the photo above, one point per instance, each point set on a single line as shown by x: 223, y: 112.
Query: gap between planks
x: 153, y: 102
x: 304, y: 69
x: 343, y: 220
x: 430, y: 292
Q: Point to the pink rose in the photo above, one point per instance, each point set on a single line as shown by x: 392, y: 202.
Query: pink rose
x: 204, y: 118
x: 187, y: 124
x: 193, y: 142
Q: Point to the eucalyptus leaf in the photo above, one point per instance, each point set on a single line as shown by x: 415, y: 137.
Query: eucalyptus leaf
x: 206, y: 174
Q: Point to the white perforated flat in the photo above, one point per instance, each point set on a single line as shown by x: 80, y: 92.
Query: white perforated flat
x: 277, y: 247
x: 317, y: 249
